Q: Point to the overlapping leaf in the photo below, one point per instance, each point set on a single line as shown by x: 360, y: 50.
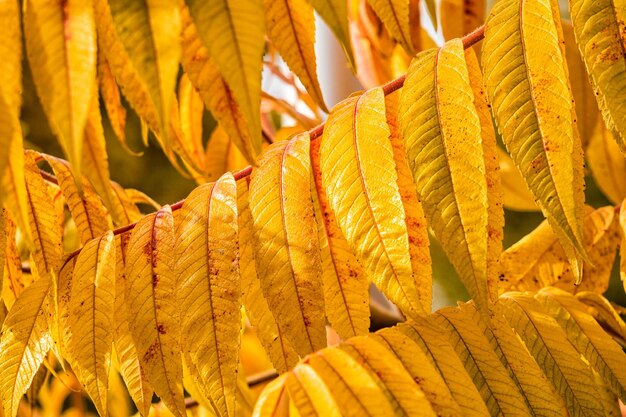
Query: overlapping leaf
x: 451, y: 149
x: 218, y: 97
x: 151, y: 284
x: 61, y: 47
x: 489, y: 375
x: 291, y: 28
x: 599, y: 31
x: 278, y: 348
x: 345, y: 283
x: 90, y: 216
x: 538, y: 259
x: 233, y: 33
x: 90, y: 317
x: 45, y: 221
x: 24, y: 344
x: 360, y: 178
x: 606, y: 356
x: 141, y: 42
x: 526, y: 78
x: 558, y: 359
x: 517, y: 196
x: 395, y: 16
x: 210, y: 291
x: 287, y: 249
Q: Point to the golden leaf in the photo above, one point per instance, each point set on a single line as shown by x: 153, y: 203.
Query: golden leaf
x: 489, y: 374
x: 345, y: 284
x: 584, y: 332
x: 309, y: 394
x: 278, y: 348
x: 421, y: 369
x: 90, y: 317
x: 24, y: 344
x: 291, y: 28
x: 112, y: 100
x: 274, y: 400
x: 205, y: 76
x: 599, y: 30
x: 558, y: 359
x: 151, y: 284
x: 128, y: 360
x: 359, y: 174
x: 526, y: 77
x: 517, y: 196
x: 395, y: 15
x: 233, y: 33
x: 287, y: 250
x: 46, y: 222
x: 61, y: 48
x: 207, y: 252
x: 451, y: 149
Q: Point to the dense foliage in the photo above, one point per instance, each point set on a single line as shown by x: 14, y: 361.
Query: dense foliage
x: 268, y: 262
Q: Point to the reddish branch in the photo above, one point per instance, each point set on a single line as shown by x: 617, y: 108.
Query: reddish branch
x: 468, y: 41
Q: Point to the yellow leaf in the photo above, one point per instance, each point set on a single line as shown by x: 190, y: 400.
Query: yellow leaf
x: 215, y: 93
x: 403, y: 393
x: 345, y: 284
x: 309, y: 394
x: 61, y: 47
x: 359, y: 174
x: 45, y: 221
x: 335, y: 14
x: 287, y: 250
x: 622, y: 246
x: 587, y: 113
x: 291, y: 28
x: 526, y: 77
x: 90, y: 319
x: 128, y: 360
x: 517, y: 196
x: 604, y: 312
x: 395, y: 15
x: 538, y: 260
x: 421, y: 369
x: 558, y: 359
x: 90, y: 216
x: 599, y: 31
x: 24, y: 344
x: 490, y: 376
x: 151, y: 284
x: 414, y: 213
x: 233, y: 33
x: 537, y: 392
x: 206, y: 238
x: 112, y: 101
x: 451, y: 149
x: 273, y: 401
x: 149, y: 33
x: 607, y: 164
x: 13, y: 282
x: 355, y: 391
x: 584, y: 332
x: 279, y: 349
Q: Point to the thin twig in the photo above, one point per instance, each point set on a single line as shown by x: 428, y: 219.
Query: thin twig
x: 394, y: 85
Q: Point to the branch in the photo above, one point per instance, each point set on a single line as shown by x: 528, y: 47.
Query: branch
x: 469, y: 40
